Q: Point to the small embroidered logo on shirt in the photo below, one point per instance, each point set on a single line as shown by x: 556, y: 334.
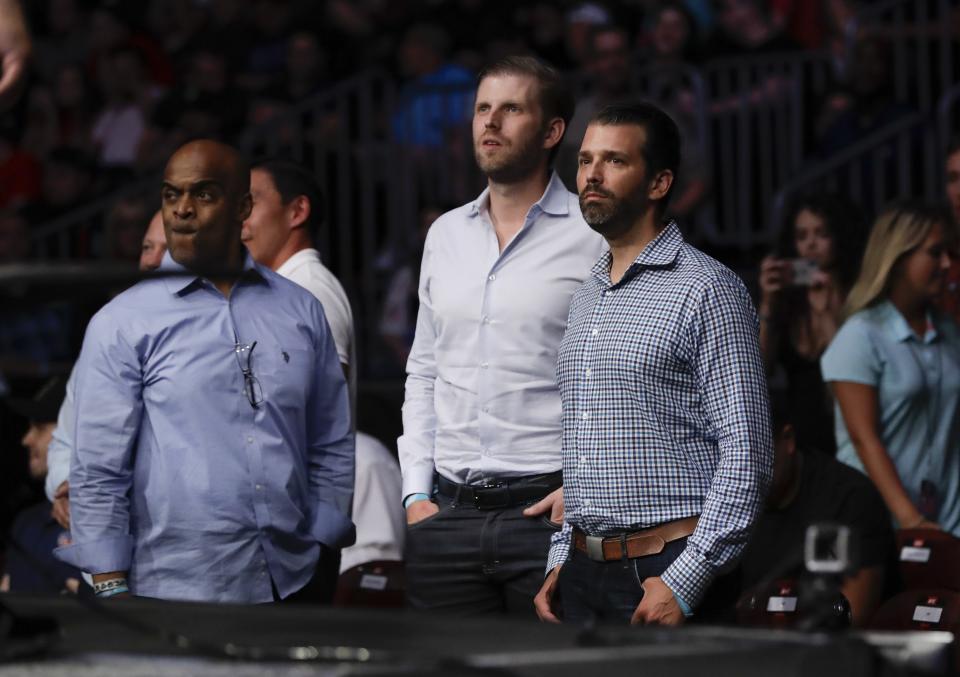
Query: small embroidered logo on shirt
x: 286, y: 357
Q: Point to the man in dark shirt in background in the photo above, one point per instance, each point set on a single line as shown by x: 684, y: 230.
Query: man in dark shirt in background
x: 810, y: 487
x: 31, y: 566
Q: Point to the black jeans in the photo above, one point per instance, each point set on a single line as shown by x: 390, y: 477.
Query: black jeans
x: 610, y: 591
x: 470, y: 562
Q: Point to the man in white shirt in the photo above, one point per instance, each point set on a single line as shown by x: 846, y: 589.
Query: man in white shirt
x: 480, y: 451
x: 287, y: 205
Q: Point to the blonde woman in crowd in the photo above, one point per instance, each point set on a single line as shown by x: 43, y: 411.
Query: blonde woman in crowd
x: 894, y: 367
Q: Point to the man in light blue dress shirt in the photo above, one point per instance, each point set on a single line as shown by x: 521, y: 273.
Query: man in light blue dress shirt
x: 480, y: 450
x: 213, y: 451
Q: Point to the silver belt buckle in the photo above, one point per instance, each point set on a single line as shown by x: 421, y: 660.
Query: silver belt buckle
x: 595, y: 548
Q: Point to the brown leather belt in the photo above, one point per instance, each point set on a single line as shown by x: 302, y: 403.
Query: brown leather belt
x: 636, y: 544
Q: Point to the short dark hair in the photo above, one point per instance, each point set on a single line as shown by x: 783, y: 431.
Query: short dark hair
x: 293, y: 180
x: 556, y: 97
x: 661, y: 150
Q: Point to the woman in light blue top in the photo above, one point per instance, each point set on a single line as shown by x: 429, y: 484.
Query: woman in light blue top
x: 894, y: 367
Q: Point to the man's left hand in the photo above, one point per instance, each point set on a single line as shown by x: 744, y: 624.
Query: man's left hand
x: 552, y: 503
x: 658, y: 606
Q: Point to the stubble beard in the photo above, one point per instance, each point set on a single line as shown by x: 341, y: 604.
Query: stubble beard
x: 610, y: 218
x: 514, y: 163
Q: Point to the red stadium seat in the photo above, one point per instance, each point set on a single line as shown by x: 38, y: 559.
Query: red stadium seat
x: 928, y: 559
x: 380, y: 585
x: 786, y: 603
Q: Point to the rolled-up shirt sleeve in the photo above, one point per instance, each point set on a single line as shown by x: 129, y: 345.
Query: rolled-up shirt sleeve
x: 331, y: 452
x: 729, y: 370
x: 108, y: 409
x: 416, y: 445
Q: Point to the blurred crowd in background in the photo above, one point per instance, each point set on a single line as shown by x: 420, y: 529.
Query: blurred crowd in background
x: 117, y: 86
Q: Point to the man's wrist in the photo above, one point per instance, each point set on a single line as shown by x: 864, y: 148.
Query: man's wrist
x: 414, y: 498
x: 111, y: 587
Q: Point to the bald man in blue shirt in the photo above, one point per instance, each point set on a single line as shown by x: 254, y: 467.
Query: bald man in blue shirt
x: 213, y: 458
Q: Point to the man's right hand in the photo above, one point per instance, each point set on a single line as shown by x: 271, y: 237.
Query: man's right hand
x: 421, y: 510
x: 543, y: 602
x: 61, y: 505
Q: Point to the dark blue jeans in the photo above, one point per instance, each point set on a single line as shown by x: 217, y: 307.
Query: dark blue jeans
x: 597, y: 592
x: 470, y: 562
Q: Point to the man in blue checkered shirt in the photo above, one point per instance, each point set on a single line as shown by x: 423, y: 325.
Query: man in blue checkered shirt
x: 667, y: 449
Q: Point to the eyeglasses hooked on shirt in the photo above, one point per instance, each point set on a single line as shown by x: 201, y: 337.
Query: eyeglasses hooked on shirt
x: 251, y: 386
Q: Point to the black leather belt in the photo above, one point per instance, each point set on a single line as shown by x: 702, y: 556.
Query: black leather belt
x: 500, y: 493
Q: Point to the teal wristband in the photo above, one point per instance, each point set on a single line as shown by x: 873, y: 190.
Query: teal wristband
x: 413, y: 498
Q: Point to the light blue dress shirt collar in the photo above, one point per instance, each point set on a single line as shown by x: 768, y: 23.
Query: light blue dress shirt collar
x: 554, y: 201
x: 178, y: 284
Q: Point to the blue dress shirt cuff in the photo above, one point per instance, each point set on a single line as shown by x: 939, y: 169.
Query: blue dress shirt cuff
x: 332, y: 528
x: 101, y: 556
x: 688, y: 577
x: 418, y: 479
x: 684, y: 607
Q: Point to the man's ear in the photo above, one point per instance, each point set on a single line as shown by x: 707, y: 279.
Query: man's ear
x: 298, y: 211
x: 245, y: 207
x: 554, y: 133
x: 660, y: 185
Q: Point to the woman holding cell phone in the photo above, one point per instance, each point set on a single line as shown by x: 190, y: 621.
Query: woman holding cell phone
x: 802, y: 290
x: 894, y: 367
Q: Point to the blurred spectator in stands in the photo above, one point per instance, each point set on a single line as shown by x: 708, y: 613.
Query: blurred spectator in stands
x: 950, y: 301
x: 398, y: 318
x: 868, y: 103
x: 178, y: 26
x: 266, y: 54
x: 304, y: 70
x: 607, y: 71
x: 31, y: 566
x: 14, y: 238
x: 67, y: 183
x: 227, y: 30
x: 20, y: 173
x: 543, y: 25
x: 75, y: 104
x: 894, y: 367
x: 812, y: 25
x: 673, y: 38
x: 205, y: 104
x: 123, y: 231
x: 800, y: 307
x: 110, y: 30
x: 436, y: 98
x: 580, y: 21
x: 61, y: 37
x: 808, y: 488
x: 118, y: 129
x: 747, y: 27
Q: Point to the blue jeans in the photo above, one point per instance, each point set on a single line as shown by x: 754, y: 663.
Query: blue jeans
x: 592, y: 592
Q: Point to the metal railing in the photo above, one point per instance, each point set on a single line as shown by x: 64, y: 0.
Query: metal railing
x: 924, y: 37
x: 898, y: 161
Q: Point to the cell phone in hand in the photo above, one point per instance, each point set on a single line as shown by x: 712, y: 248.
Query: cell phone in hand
x: 802, y: 272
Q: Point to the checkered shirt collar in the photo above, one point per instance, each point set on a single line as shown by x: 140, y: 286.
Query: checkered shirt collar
x: 660, y: 253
